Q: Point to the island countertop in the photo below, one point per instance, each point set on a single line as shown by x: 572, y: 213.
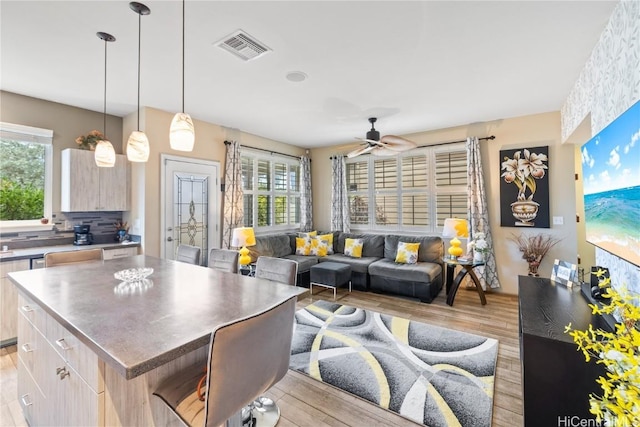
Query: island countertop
x: 137, y: 329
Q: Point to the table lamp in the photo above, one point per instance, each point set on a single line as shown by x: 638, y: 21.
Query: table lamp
x: 455, y: 228
x: 243, y: 237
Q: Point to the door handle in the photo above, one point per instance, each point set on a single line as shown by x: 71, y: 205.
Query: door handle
x: 169, y: 239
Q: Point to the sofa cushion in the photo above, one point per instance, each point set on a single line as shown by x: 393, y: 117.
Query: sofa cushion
x: 277, y: 246
x: 303, y: 246
x: 304, y: 262
x: 431, y: 248
x: 373, y: 244
x: 407, y: 253
x: 353, y: 248
x: 425, y: 272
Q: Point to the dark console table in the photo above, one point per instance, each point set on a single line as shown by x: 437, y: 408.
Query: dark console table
x: 556, y: 380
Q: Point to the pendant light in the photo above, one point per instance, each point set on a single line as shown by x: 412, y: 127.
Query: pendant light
x: 181, y: 133
x: 105, y: 155
x: 138, y: 143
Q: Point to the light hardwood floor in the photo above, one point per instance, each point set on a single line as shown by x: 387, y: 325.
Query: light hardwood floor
x: 306, y: 402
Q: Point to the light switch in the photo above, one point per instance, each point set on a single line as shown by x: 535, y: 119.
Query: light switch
x: 558, y: 220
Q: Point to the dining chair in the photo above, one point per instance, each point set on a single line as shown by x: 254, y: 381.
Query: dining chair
x: 224, y: 260
x: 52, y: 259
x: 279, y: 270
x: 189, y: 254
x: 246, y: 358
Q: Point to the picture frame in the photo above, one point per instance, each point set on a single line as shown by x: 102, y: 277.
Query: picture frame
x: 524, y: 191
x: 565, y: 273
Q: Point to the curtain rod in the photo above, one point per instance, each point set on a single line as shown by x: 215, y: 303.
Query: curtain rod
x: 484, y: 138
x: 267, y: 151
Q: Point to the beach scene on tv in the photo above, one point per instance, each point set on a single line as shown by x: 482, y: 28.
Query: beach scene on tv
x: 611, y: 176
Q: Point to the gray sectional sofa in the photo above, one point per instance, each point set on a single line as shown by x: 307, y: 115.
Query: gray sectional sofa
x: 376, y: 270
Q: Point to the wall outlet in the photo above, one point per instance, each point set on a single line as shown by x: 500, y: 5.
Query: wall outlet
x: 558, y: 220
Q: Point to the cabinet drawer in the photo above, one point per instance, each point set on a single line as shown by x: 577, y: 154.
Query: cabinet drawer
x: 120, y: 252
x: 28, y: 342
x: 75, y: 353
x: 32, y: 312
x: 30, y: 397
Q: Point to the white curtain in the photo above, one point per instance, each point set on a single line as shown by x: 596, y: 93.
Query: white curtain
x: 339, y: 197
x: 306, y: 214
x: 233, y: 202
x: 478, y: 212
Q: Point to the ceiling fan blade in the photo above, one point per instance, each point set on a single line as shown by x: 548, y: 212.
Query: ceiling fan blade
x: 384, y: 152
x: 397, y: 143
x: 360, y: 150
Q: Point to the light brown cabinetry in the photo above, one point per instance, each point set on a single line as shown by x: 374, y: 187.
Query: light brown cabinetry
x: 114, y: 253
x: 85, y: 187
x: 9, y: 300
x: 61, y: 381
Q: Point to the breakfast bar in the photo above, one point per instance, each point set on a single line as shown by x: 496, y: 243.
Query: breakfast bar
x: 92, y: 348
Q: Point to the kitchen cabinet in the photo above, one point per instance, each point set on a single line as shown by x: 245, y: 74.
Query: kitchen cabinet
x: 9, y: 301
x: 61, y: 380
x: 85, y: 187
x: 113, y: 253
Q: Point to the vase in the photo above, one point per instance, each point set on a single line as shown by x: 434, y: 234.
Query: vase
x: 121, y: 235
x: 533, y: 268
x: 525, y: 211
x: 478, y: 256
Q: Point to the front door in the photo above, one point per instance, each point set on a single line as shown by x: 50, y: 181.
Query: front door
x: 191, y: 207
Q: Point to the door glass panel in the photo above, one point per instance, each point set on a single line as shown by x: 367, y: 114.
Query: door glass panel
x: 191, y: 208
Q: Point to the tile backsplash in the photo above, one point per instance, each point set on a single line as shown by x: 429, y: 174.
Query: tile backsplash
x: 101, y: 227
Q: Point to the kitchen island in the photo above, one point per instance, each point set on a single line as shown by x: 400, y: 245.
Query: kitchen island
x: 92, y: 350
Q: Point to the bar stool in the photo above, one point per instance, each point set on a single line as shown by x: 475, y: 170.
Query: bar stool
x: 224, y: 260
x: 246, y: 358
x: 189, y: 254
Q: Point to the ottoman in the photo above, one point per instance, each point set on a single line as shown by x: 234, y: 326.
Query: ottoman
x: 330, y: 275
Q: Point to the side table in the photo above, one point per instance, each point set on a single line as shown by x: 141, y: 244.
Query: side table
x: 467, y: 268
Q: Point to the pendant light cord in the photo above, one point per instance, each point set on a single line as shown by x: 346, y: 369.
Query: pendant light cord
x: 104, y: 107
x: 139, y: 37
x: 183, y: 8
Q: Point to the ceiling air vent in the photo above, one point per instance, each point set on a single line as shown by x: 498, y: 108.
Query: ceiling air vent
x: 243, y: 45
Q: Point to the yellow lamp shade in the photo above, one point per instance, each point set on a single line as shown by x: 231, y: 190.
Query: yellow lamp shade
x: 138, y: 147
x: 182, y: 134
x: 105, y: 155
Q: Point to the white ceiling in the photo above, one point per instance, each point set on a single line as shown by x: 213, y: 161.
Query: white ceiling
x: 416, y: 65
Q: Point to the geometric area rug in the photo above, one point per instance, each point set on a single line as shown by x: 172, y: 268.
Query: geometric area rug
x: 428, y: 374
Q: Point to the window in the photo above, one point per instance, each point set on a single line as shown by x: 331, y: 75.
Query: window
x: 26, y: 160
x: 417, y: 189
x: 271, y: 187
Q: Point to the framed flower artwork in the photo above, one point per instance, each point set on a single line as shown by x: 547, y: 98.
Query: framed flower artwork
x: 524, y: 187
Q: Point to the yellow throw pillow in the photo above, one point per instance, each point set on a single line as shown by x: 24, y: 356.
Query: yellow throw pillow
x: 303, y: 246
x: 319, y: 246
x: 329, y: 239
x: 353, y: 248
x: 407, y: 253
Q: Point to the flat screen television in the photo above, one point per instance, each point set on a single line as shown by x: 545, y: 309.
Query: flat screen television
x: 611, y: 179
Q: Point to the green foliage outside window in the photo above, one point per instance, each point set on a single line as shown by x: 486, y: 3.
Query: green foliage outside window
x: 22, y: 171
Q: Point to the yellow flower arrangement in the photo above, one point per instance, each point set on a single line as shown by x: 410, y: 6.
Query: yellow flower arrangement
x: 90, y: 141
x: 619, y: 352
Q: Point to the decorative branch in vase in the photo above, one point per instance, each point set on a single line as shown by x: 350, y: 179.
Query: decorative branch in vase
x: 534, y: 248
x: 122, y: 229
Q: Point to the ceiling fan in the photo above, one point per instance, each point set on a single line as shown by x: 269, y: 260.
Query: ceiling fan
x: 388, y: 145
